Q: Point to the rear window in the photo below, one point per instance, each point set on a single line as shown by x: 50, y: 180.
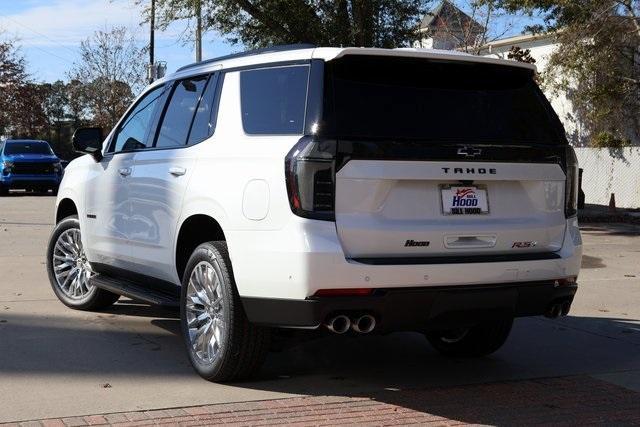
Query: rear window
x: 407, y: 98
x: 274, y: 100
x: 180, y: 112
x: 27, y: 148
x: 204, y: 121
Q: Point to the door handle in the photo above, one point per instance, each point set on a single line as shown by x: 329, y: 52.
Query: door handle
x: 177, y: 171
x: 124, y: 171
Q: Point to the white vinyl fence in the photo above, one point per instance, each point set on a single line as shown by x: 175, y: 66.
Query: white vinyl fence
x: 611, y: 170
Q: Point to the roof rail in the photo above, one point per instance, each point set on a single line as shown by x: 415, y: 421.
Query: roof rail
x: 269, y: 49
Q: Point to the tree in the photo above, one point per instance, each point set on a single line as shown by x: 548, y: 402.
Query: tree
x: 110, y: 72
x: 521, y: 55
x: 597, y: 62
x: 12, y: 78
x: 55, y: 105
x: 258, y: 23
x: 76, y: 104
x: 29, y: 119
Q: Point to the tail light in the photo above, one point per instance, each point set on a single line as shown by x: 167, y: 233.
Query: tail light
x: 310, y: 176
x: 571, y: 184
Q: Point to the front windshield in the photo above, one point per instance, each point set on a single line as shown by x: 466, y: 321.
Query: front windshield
x: 27, y: 148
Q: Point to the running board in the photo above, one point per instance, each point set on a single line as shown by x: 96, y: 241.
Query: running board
x: 137, y: 292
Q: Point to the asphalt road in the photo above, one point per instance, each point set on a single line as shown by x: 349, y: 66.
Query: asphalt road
x: 56, y: 362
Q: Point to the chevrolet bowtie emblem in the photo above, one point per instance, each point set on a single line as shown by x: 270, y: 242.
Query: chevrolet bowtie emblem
x: 469, y: 151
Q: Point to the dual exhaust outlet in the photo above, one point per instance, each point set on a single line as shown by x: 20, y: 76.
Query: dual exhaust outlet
x: 342, y: 323
x: 558, y: 309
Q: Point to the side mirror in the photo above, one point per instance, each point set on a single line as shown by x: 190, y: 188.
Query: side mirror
x: 88, y: 141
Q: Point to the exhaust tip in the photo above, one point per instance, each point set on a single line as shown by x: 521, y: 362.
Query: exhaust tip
x: 338, y: 324
x: 364, y: 324
x: 554, y: 311
x: 566, y: 306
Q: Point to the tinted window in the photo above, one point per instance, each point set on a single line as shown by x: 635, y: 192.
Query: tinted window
x: 273, y: 100
x: 180, y: 112
x: 204, y: 121
x: 27, y: 148
x: 134, y: 130
x: 430, y: 100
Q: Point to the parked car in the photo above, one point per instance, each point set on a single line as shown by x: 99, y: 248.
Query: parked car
x: 30, y: 165
x: 343, y: 190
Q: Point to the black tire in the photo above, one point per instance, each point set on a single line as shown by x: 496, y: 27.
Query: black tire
x: 4, y: 191
x: 95, y: 298
x: 244, y: 346
x: 476, y: 341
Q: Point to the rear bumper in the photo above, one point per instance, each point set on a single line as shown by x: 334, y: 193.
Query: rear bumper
x: 404, y: 309
x: 295, y: 262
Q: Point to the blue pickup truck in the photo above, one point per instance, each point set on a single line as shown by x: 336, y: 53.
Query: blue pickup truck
x: 30, y: 165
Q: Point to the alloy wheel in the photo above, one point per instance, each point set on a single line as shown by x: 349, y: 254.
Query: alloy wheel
x: 70, y: 265
x: 205, y: 312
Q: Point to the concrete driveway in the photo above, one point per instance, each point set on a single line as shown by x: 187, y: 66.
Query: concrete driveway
x: 56, y: 362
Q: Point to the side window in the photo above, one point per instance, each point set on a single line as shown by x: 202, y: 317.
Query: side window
x: 180, y: 112
x: 273, y: 100
x: 133, y: 133
x: 204, y: 122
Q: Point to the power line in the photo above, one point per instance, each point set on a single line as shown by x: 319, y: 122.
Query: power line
x: 66, y: 60
x: 39, y: 33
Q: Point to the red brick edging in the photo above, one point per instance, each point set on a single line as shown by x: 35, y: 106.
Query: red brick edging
x: 570, y: 401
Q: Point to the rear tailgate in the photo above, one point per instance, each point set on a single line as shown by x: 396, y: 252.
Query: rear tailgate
x: 403, y: 208
x: 439, y: 158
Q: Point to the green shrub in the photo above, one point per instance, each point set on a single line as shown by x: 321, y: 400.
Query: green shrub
x: 609, y: 140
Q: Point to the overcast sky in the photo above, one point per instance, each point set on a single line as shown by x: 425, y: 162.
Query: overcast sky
x: 50, y: 32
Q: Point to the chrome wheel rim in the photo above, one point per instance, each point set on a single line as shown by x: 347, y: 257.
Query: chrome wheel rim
x: 70, y: 265
x: 205, y: 312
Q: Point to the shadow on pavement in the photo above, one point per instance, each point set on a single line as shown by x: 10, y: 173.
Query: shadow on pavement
x: 118, y: 342
x: 610, y: 229
x: 399, y: 369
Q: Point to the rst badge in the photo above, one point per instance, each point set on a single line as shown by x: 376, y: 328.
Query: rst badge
x: 523, y: 245
x: 464, y: 200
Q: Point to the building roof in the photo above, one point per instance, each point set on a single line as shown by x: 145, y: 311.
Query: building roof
x: 523, y: 38
x: 448, y: 12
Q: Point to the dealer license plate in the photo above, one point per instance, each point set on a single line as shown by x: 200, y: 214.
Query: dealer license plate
x: 464, y: 200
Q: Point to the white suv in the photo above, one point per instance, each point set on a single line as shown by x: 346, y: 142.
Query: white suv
x: 339, y: 189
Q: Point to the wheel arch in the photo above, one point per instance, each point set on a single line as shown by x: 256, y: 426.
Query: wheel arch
x: 195, y: 230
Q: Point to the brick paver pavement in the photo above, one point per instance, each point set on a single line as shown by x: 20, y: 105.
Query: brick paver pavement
x: 578, y: 400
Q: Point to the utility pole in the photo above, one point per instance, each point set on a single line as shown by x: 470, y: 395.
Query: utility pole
x: 198, y: 30
x: 152, y: 20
